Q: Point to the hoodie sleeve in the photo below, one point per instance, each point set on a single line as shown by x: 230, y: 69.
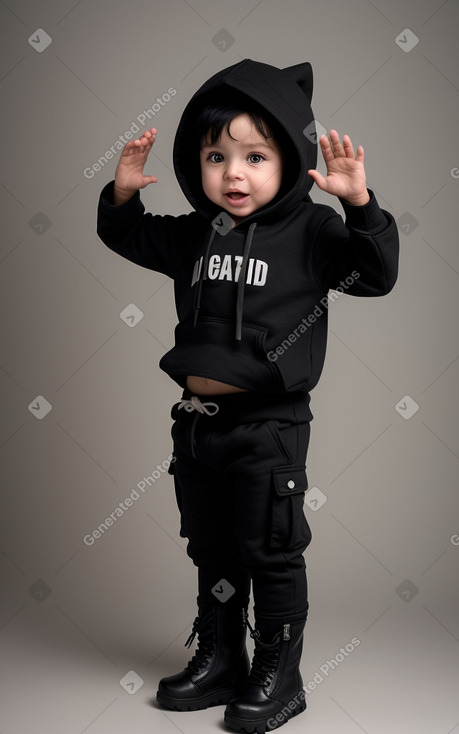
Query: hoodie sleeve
x: 145, y: 239
x: 367, y: 242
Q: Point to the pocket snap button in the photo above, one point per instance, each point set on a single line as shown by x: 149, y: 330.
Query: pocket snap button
x: 290, y: 484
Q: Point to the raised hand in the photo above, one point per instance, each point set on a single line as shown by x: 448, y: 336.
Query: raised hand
x: 345, y: 172
x: 129, y: 176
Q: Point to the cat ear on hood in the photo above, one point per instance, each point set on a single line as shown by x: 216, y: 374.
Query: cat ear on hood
x: 302, y: 73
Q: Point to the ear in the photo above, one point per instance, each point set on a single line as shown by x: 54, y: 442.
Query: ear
x: 302, y: 73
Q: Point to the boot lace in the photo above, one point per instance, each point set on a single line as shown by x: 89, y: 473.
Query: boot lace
x: 265, y: 657
x: 206, y: 643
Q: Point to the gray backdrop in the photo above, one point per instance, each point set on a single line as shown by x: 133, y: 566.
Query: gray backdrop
x: 91, y: 620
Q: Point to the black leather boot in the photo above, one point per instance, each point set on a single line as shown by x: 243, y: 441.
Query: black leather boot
x: 274, y: 691
x: 218, y: 668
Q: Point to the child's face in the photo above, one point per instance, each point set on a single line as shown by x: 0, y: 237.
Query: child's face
x: 244, y: 174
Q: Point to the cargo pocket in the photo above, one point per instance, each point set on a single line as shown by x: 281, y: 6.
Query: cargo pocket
x: 289, y: 528
x: 285, y: 437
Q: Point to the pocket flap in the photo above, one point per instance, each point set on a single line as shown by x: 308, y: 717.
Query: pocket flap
x: 290, y: 480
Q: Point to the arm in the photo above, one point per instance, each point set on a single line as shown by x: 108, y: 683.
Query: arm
x: 368, y: 241
x: 144, y: 239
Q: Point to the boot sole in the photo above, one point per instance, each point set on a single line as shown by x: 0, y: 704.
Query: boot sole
x: 217, y: 698
x: 260, y: 726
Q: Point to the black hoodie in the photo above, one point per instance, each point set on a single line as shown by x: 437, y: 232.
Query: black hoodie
x: 252, y: 301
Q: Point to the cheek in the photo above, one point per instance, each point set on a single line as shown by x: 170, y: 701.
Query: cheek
x: 273, y: 180
x: 276, y: 179
x: 208, y: 179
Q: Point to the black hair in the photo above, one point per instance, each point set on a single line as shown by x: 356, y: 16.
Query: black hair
x: 213, y: 120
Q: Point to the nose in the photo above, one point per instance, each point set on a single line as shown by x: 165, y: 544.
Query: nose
x: 233, y: 169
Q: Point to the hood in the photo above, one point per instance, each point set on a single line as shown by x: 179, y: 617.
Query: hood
x: 286, y: 95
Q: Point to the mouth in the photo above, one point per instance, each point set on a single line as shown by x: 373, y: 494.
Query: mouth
x: 237, y: 198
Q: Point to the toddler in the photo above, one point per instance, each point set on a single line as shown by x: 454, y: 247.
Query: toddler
x: 252, y: 265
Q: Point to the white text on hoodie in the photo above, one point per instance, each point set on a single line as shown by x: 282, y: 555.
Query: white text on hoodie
x: 228, y: 267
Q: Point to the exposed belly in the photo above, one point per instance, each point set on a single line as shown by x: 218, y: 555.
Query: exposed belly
x: 205, y: 386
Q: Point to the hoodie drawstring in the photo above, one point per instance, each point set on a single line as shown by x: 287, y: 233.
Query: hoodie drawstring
x: 202, y: 276
x: 240, y: 283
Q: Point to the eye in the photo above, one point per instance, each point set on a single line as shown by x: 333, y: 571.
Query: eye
x: 216, y: 158
x: 256, y: 158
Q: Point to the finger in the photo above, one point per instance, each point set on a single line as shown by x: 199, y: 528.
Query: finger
x: 149, y: 133
x: 146, y: 139
x: 360, y: 154
x: 130, y: 148
x: 326, y: 148
x: 338, y: 149
x: 348, y: 147
x: 318, y: 178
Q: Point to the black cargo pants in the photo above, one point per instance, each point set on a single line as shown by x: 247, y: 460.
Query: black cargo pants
x: 239, y: 476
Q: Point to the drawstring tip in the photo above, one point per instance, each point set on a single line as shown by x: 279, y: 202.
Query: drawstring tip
x: 194, y: 631
x: 189, y: 641
x: 254, y: 633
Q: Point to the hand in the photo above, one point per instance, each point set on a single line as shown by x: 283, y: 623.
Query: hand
x: 129, y: 176
x: 345, y: 174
